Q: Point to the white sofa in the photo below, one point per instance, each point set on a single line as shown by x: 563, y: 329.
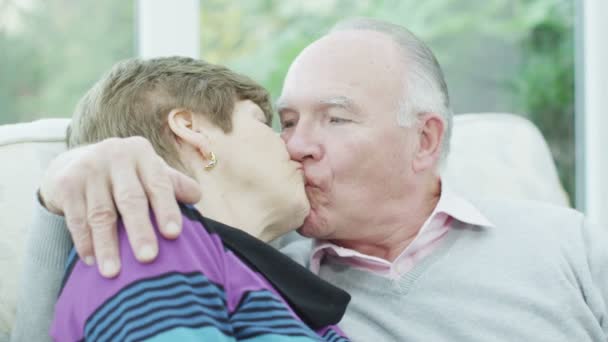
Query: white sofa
x: 493, y: 155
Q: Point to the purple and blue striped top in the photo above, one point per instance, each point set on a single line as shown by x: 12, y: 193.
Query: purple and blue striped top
x: 213, y: 283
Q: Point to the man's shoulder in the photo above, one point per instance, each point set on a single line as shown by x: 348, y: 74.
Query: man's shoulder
x: 528, y: 214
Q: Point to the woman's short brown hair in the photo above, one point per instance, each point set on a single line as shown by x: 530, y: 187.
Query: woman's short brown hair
x: 135, y: 96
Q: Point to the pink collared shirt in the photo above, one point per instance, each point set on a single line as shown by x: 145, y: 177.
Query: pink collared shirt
x: 450, y: 207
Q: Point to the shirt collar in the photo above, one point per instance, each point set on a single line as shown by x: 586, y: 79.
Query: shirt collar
x: 460, y: 209
x: 450, y: 205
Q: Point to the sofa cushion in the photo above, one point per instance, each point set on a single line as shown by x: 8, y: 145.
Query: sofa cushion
x: 25, y: 150
x: 502, y: 155
x: 492, y: 155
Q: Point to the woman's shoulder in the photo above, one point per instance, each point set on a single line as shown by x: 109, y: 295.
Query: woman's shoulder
x: 195, y: 239
x: 191, y: 263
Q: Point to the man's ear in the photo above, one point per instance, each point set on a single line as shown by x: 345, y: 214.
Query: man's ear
x: 430, y: 136
x: 185, y: 128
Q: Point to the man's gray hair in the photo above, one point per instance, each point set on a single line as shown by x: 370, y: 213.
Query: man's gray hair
x: 425, y: 87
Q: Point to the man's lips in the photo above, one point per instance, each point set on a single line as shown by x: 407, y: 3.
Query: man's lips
x: 309, y: 183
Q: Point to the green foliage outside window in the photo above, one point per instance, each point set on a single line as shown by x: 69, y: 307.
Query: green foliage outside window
x: 544, y: 87
x: 51, y: 53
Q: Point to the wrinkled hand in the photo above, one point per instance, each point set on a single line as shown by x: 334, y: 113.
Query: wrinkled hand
x: 90, y: 185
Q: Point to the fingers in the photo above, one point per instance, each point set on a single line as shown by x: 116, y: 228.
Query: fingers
x: 92, y: 185
x: 131, y: 201
x: 66, y: 187
x: 75, y: 211
x: 101, y: 219
x: 154, y: 176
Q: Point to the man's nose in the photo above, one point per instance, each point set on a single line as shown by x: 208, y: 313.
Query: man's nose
x: 303, y: 144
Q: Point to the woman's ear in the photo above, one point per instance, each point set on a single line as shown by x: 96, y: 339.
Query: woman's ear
x: 183, y: 125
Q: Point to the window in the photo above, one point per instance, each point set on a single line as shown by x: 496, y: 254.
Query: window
x: 51, y: 52
x: 512, y: 56
x: 498, y: 56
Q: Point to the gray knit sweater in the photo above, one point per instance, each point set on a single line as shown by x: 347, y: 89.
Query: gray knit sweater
x: 541, y: 274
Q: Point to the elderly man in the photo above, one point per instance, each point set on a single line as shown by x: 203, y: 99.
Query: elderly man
x: 365, y: 110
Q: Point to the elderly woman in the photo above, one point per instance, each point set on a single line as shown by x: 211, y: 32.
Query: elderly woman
x: 214, y: 282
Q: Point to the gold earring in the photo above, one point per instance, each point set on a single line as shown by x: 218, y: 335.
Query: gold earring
x: 212, y: 161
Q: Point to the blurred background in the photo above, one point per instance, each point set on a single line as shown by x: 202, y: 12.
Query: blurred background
x: 514, y: 56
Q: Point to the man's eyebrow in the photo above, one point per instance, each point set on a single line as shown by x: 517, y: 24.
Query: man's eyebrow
x: 340, y: 102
